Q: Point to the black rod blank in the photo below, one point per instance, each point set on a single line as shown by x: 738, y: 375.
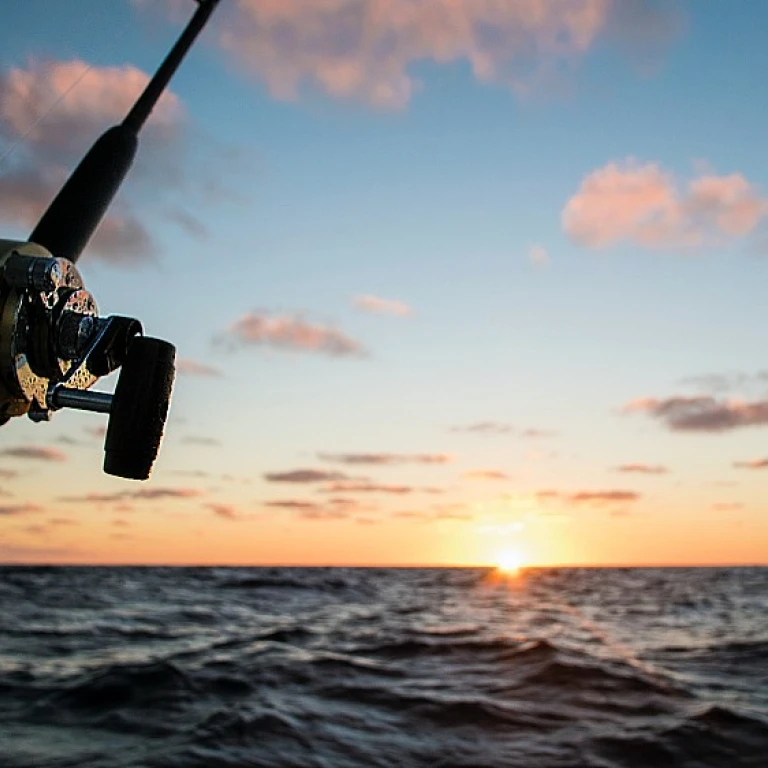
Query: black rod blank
x: 77, y: 210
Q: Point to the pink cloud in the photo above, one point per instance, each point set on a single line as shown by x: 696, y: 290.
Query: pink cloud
x: 291, y: 332
x: 642, y: 469
x: 355, y: 487
x: 387, y: 458
x: 34, y: 453
x: 189, y: 367
x: 380, y: 306
x: 538, y: 256
x: 87, y: 100
x: 643, y: 204
x: 11, y: 510
x: 602, y: 497
x: 751, y: 464
x: 141, y: 494
x: 305, y: 476
x: 226, y: 511
x: 486, y: 474
x: 364, y: 50
x: 78, y: 101
x: 702, y: 413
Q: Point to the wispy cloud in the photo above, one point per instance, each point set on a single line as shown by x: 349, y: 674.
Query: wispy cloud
x: 297, y: 505
x: 225, y: 511
x: 602, y: 497
x: 379, y: 306
x: 752, y: 464
x: 305, y: 476
x: 702, y: 413
x: 87, y: 99
x: 642, y: 204
x: 13, y: 510
x: 141, y: 494
x: 502, y: 428
x: 640, y: 468
x: 589, y: 498
x: 486, y: 474
x: 727, y: 506
x: 360, y: 487
x: 200, y: 440
x: 486, y: 427
x: 720, y: 383
x: 188, y: 367
x: 290, y: 332
x: 538, y: 256
x: 386, y: 458
x: 365, y: 50
x: 34, y: 453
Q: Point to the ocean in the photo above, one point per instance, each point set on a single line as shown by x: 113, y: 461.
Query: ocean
x: 336, y: 667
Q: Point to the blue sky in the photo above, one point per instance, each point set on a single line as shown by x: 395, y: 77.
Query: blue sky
x: 308, y: 200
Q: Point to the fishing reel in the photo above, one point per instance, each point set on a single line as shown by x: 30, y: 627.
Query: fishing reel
x: 54, y: 347
x: 53, y: 344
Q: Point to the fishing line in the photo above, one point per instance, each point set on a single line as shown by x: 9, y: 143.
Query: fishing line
x: 45, y: 114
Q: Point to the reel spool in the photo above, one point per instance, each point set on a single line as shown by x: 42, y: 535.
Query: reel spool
x: 54, y: 347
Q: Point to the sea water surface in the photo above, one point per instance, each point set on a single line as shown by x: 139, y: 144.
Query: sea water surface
x: 338, y: 667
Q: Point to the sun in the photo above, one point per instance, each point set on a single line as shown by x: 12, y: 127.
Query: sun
x: 509, y: 561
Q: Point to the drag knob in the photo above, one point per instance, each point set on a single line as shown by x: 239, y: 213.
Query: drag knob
x: 139, y: 408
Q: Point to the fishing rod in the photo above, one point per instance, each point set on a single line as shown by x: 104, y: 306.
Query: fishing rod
x: 53, y: 344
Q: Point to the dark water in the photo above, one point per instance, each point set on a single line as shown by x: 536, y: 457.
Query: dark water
x: 228, y: 668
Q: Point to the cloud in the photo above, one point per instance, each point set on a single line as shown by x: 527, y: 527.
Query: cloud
x: 188, y: 367
x: 365, y: 487
x: 538, y: 256
x: 718, y: 383
x: 293, y: 504
x: 226, y: 511
x: 13, y: 510
x: 323, y: 514
x: 486, y: 427
x: 305, y: 476
x: 141, y: 494
x: 34, y: 453
x: 501, y: 428
x: 49, y: 110
x: 365, y: 50
x: 62, y: 521
x: 537, y: 433
x: 379, y: 306
x: 727, y: 506
x: 16, y: 552
x: 387, y: 458
x: 702, y: 413
x: 200, y: 440
x: 602, y: 497
x: 8, y: 474
x: 486, y: 474
x: 588, y: 498
x: 87, y: 99
x: 410, y: 515
x: 642, y: 469
x: 643, y: 204
x: 293, y: 333
x: 751, y: 464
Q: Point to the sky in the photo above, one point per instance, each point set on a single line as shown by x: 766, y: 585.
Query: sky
x: 450, y: 281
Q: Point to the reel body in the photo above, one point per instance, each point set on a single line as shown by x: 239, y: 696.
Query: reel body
x: 54, y: 347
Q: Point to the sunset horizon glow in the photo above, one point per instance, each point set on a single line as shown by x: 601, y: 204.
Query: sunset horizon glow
x: 441, y: 297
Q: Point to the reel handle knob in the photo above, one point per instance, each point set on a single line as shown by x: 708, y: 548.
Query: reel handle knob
x: 139, y: 408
